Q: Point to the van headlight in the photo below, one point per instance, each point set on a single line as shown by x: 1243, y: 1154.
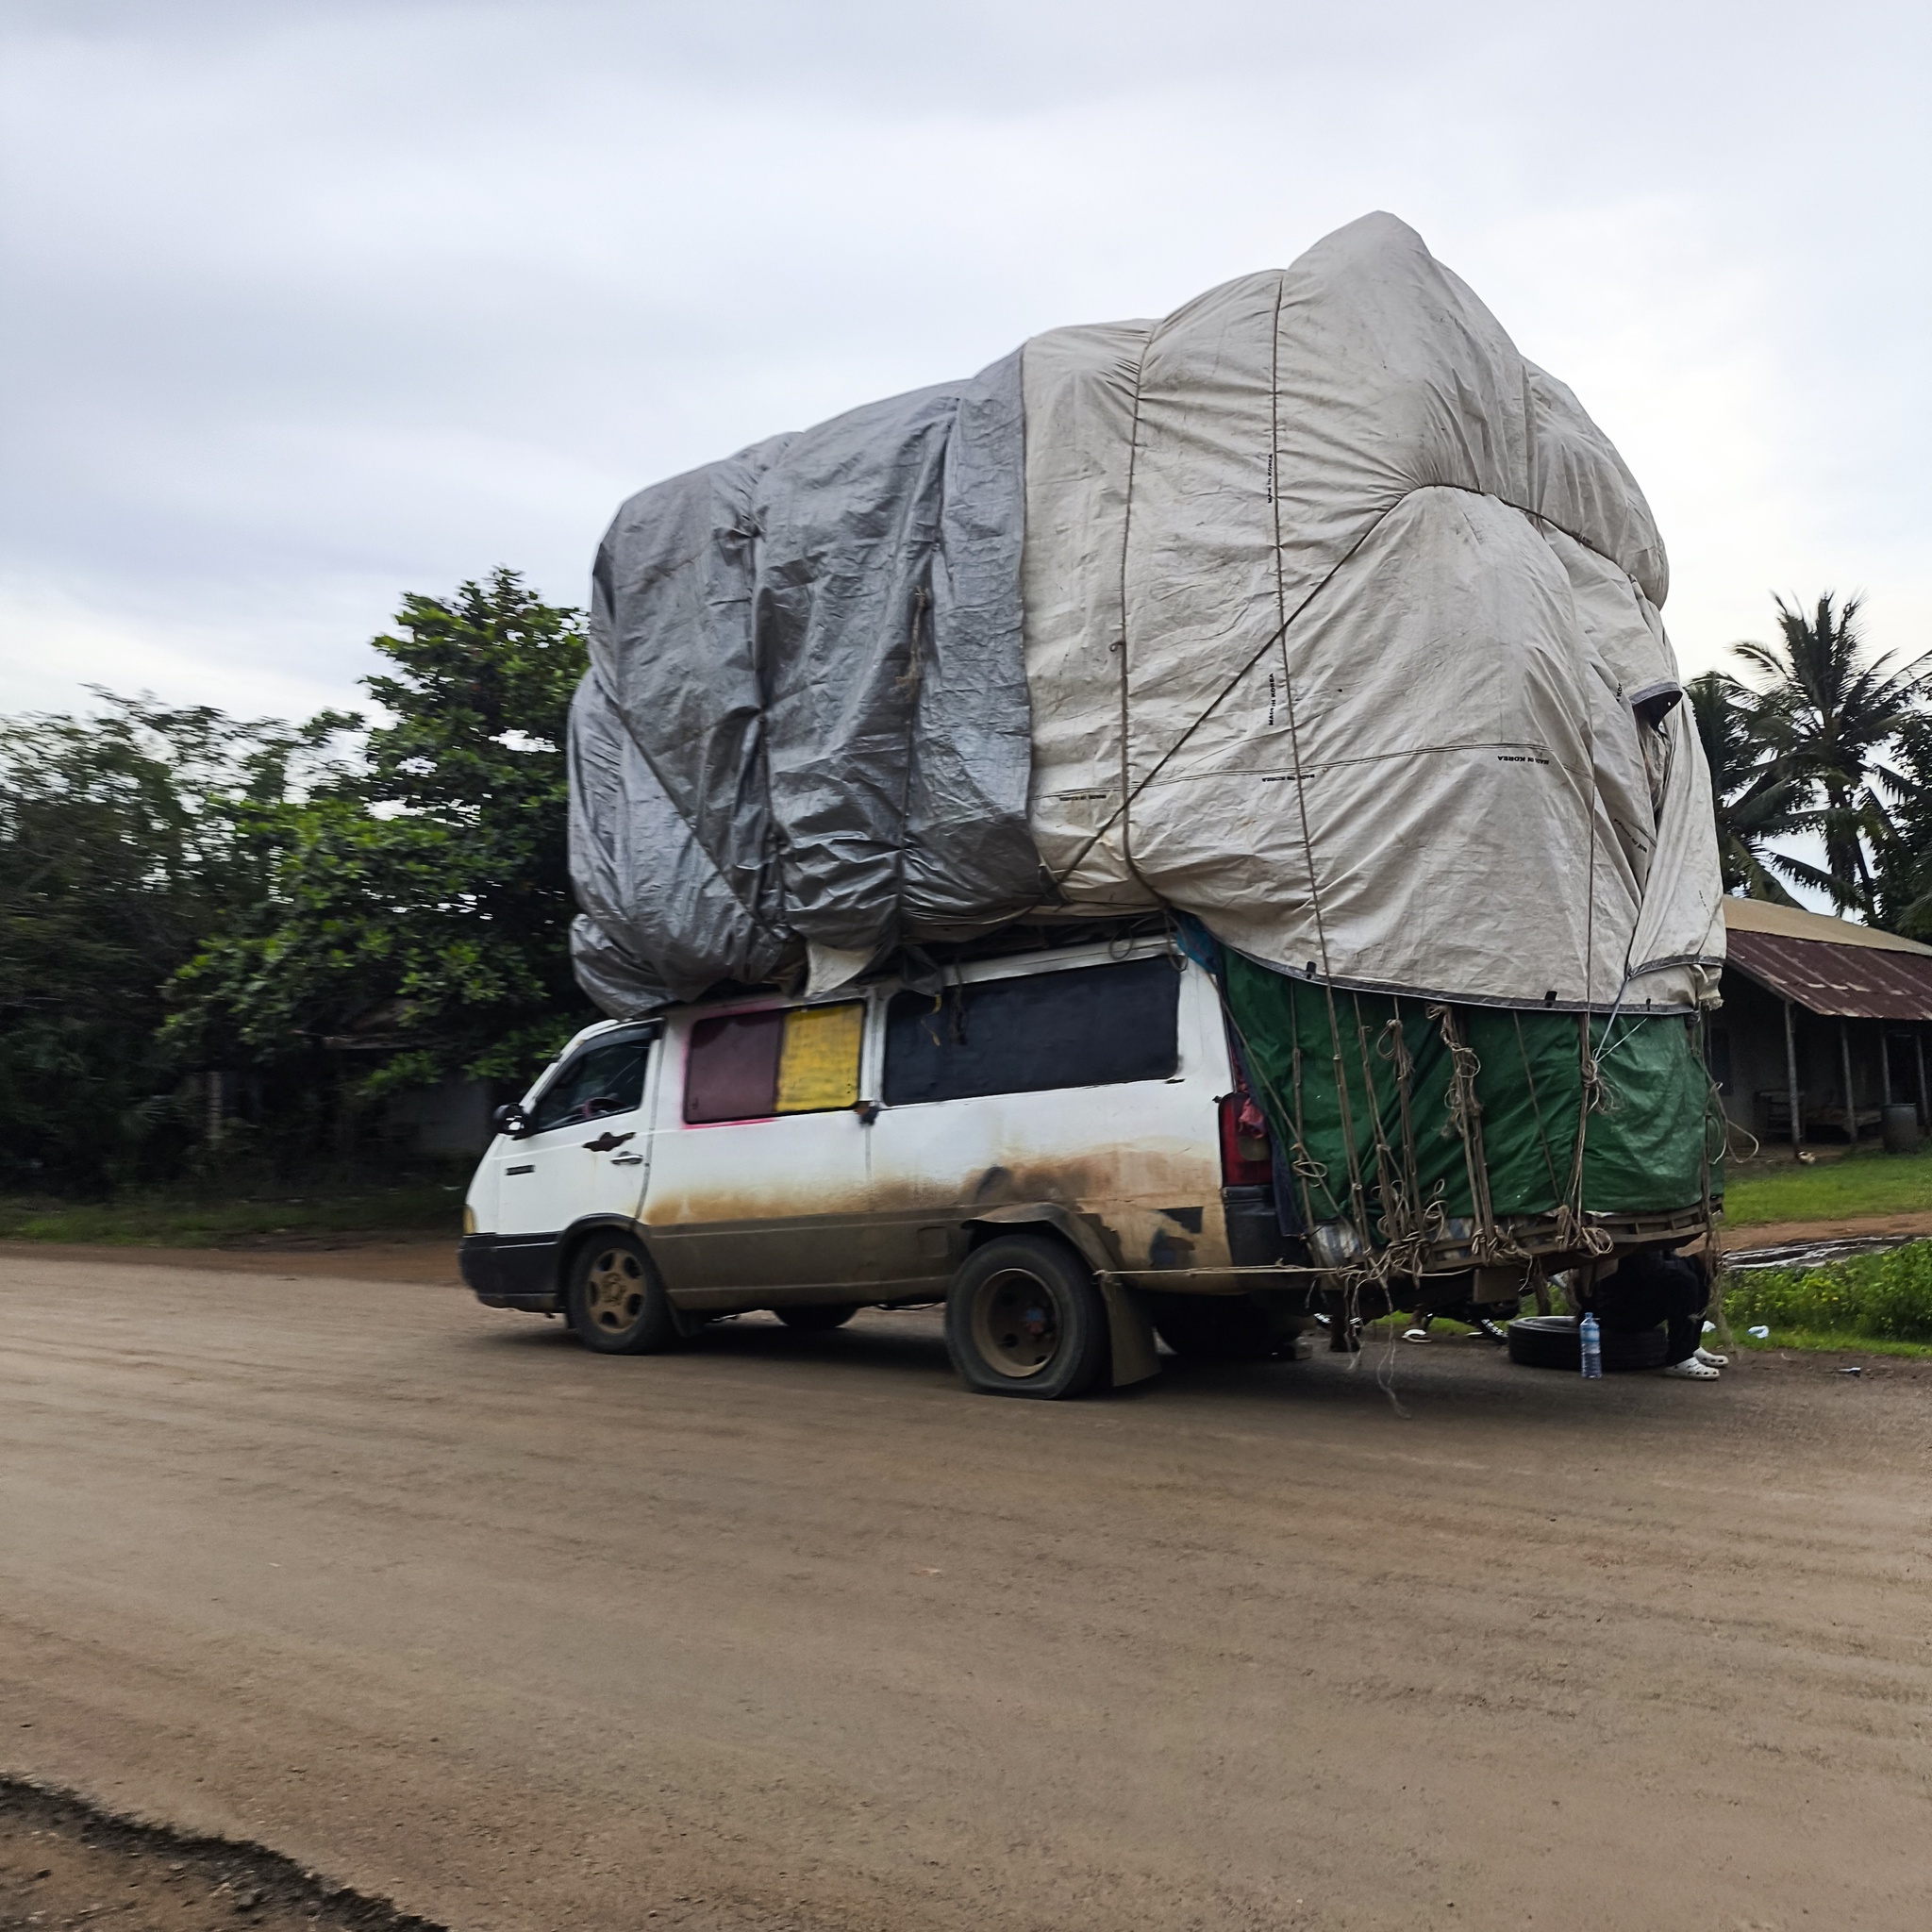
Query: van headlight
x: 469, y: 1219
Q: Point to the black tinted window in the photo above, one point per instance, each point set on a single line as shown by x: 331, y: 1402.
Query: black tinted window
x: 608, y: 1076
x: 1090, y: 1026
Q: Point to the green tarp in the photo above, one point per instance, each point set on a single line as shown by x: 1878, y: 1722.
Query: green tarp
x: 1324, y: 1066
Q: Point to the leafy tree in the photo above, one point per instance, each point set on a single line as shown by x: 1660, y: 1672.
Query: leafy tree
x: 1755, y: 798
x: 416, y: 919
x: 1828, y: 716
x: 1903, y: 889
x: 120, y: 845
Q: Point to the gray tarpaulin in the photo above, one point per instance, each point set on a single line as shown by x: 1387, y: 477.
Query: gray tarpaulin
x: 1336, y: 625
x: 804, y: 732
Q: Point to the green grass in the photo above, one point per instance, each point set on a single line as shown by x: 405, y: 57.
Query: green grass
x: 1864, y: 1182
x: 1866, y: 1299
x: 1832, y: 1341
x: 192, y: 1217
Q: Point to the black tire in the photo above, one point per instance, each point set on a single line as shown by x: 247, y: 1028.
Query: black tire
x: 1026, y: 1317
x: 1215, y: 1328
x: 615, y: 1301
x: 1550, y: 1342
x: 817, y: 1321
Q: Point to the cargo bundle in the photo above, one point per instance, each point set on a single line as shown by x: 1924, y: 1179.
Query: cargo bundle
x: 1313, y: 621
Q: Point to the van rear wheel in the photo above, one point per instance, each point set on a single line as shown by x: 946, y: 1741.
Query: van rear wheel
x: 1025, y: 1317
x: 617, y: 1305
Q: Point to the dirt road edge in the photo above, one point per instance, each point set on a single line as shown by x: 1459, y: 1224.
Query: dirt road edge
x: 262, y: 1886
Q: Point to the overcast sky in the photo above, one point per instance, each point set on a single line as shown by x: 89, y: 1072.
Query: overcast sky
x: 309, y: 302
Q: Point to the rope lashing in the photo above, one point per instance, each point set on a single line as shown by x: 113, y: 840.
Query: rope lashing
x: 1490, y: 1243
x: 1571, y: 1224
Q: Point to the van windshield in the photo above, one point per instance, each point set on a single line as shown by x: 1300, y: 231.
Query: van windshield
x: 606, y: 1077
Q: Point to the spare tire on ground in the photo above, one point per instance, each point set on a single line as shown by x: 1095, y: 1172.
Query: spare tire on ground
x: 1550, y: 1342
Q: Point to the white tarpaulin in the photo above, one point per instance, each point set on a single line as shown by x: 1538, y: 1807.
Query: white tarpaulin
x: 1341, y: 633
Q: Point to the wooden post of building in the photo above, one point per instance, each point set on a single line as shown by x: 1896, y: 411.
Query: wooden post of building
x: 1791, y: 1079
x: 1919, y: 1045
x: 1883, y: 1065
x: 1844, y: 1050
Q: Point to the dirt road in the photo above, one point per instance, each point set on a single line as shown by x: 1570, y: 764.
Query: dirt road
x: 788, y: 1632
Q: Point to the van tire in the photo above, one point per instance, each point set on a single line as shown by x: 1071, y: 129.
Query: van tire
x: 1025, y: 1317
x: 817, y: 1320
x: 615, y: 1303
x: 1215, y: 1328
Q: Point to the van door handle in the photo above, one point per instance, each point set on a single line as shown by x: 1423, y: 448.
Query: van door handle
x: 627, y: 1160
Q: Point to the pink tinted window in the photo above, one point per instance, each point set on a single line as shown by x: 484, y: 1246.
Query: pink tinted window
x: 731, y: 1071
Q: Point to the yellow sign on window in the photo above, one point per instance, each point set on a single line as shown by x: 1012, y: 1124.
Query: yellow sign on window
x: 818, y: 1063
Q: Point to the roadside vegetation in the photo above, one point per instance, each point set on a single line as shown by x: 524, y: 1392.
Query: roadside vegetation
x: 1881, y: 1303
x: 326, y: 1211
x: 227, y: 943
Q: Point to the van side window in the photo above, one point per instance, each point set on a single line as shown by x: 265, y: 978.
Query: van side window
x: 1089, y: 1026
x: 749, y: 1066
x: 606, y: 1077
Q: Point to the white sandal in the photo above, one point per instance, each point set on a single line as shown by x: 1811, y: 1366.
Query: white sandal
x: 1691, y: 1370
x: 1713, y: 1362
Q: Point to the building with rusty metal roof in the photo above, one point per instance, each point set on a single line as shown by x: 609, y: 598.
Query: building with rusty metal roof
x: 1822, y: 1026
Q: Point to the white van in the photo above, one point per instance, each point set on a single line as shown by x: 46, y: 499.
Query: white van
x: 1048, y: 1143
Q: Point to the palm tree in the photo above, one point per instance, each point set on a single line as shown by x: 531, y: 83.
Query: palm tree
x: 1828, y: 717
x: 1755, y: 799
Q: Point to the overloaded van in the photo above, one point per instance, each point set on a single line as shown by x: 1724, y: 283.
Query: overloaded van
x: 1051, y: 1144
x: 1287, y: 671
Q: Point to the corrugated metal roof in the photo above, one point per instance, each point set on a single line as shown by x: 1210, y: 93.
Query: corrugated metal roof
x: 1839, y: 981
x: 1794, y: 922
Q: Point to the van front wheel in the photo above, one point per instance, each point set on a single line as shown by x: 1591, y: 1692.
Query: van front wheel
x: 617, y: 1304
x: 1025, y: 1317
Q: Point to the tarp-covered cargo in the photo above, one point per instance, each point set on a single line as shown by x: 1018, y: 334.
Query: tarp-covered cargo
x: 1313, y: 611
x: 806, y: 723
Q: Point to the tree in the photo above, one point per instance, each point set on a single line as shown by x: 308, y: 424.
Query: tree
x: 1755, y: 798
x: 1903, y: 888
x: 121, y: 844
x: 1828, y: 716
x: 416, y: 921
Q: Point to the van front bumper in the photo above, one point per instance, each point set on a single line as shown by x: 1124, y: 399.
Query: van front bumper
x: 512, y: 1270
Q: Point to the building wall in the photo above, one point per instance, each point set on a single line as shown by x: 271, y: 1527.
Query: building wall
x: 1746, y: 1045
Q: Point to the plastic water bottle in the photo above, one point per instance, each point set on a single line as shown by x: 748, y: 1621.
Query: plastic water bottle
x: 1591, y: 1349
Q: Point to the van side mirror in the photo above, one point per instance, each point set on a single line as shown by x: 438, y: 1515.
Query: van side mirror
x: 512, y: 1119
